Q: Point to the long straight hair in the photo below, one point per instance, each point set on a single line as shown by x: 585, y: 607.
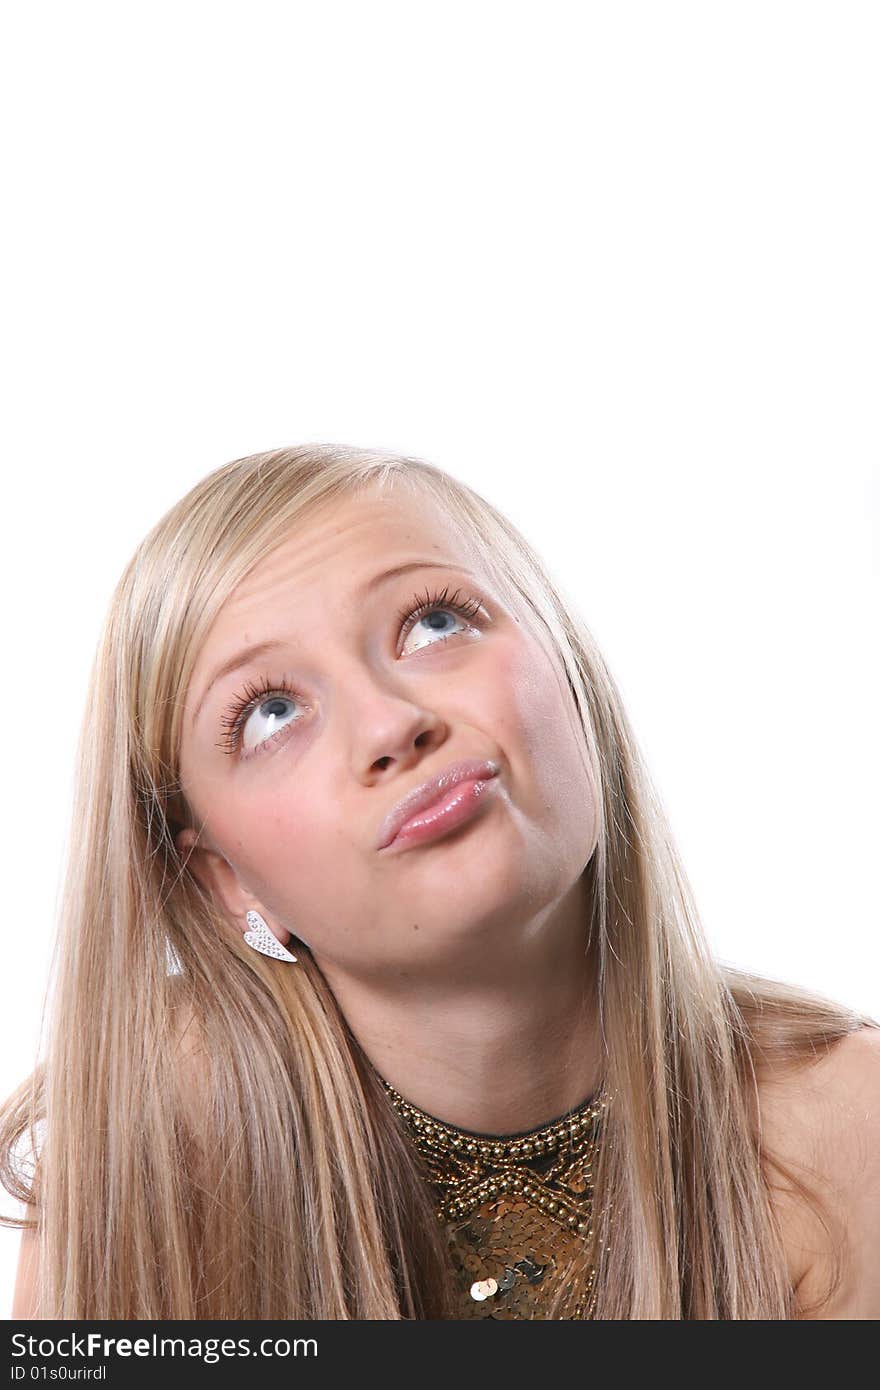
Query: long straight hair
x: 202, y: 1135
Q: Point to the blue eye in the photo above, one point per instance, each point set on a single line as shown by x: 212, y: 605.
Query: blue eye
x: 270, y: 699
x: 431, y: 605
x: 266, y: 698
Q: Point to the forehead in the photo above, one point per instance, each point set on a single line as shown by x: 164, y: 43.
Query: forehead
x: 331, y: 560
x: 345, y: 543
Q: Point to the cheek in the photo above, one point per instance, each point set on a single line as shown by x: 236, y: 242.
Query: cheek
x: 278, y: 844
x: 298, y: 829
x: 539, y: 721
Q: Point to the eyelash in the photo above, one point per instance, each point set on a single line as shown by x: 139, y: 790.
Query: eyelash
x: 238, y: 711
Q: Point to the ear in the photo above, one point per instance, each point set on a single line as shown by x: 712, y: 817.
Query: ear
x: 221, y: 882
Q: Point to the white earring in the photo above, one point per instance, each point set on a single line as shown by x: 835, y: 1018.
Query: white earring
x: 262, y: 939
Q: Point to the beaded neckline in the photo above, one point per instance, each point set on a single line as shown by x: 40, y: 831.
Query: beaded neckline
x: 516, y: 1207
x: 523, y: 1146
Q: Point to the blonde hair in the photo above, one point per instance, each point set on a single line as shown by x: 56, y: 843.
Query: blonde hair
x: 209, y: 1140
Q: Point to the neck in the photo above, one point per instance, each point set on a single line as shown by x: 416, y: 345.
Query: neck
x: 503, y: 1040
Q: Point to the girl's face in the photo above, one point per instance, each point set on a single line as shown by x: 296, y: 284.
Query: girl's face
x: 291, y: 760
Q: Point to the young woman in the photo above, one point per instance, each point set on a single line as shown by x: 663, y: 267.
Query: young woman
x: 380, y: 988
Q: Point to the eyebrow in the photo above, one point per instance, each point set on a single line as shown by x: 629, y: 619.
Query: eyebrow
x: 248, y: 654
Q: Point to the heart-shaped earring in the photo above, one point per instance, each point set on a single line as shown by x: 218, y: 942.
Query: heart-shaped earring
x: 263, y: 940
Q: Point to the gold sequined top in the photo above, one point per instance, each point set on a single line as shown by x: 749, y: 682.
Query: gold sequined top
x: 516, y: 1207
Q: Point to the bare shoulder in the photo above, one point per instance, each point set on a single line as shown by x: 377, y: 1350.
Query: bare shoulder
x: 822, y: 1121
x: 25, y: 1293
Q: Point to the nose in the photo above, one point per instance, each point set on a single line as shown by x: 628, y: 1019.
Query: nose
x: 401, y: 737
x: 391, y: 726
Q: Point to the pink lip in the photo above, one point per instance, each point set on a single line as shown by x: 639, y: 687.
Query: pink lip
x: 435, y: 796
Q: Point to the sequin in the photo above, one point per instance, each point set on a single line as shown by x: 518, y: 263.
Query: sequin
x: 517, y: 1210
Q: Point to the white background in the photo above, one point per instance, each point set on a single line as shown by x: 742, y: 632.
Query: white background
x: 613, y: 265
